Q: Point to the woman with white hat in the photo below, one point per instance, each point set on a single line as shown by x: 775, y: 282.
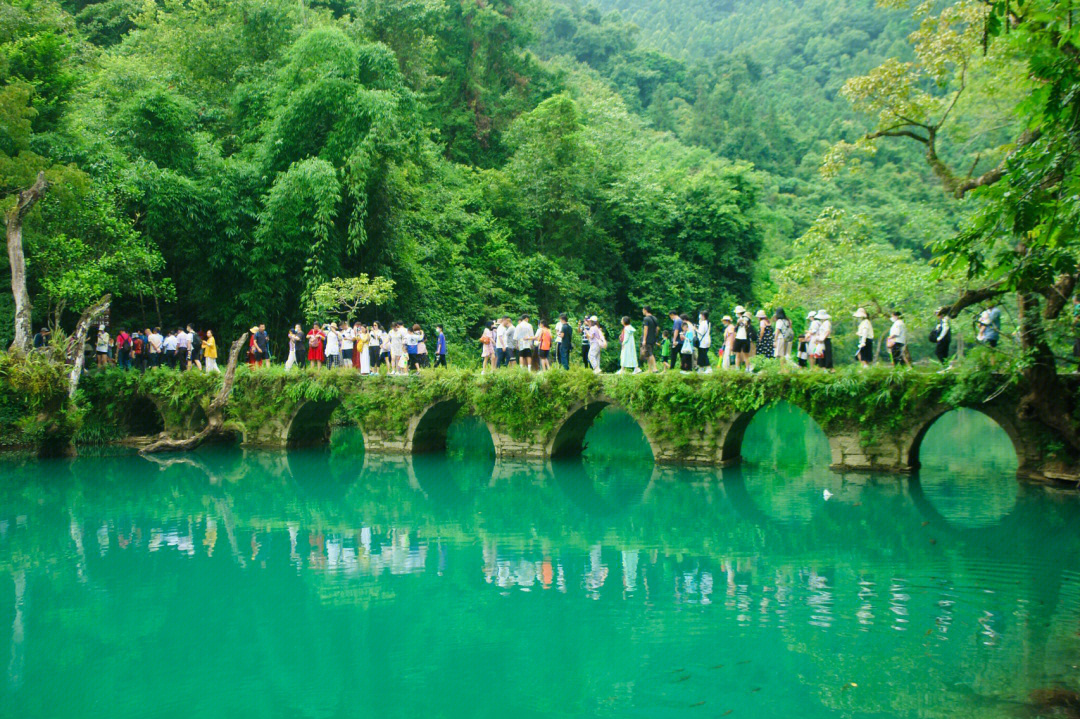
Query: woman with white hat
x: 766, y: 335
x: 743, y: 337
x: 825, y: 339
x: 865, y: 333
x: 803, y: 353
x: 596, y: 343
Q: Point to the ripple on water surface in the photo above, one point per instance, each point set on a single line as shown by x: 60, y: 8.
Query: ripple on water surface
x: 327, y: 583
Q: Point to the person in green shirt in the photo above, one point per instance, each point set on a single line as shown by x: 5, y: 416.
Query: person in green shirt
x: 665, y: 349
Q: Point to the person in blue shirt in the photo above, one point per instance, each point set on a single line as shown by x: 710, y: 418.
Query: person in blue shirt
x: 440, y: 348
x: 676, y: 337
x: 990, y: 326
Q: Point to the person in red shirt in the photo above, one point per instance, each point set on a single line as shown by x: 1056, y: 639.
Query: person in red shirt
x: 316, y: 339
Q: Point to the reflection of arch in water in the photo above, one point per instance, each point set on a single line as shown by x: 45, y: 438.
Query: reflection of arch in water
x: 602, y: 489
x: 1002, y: 419
x: 449, y: 483
x: 568, y: 439
x: 733, y: 440
x: 310, y: 424
x: 1002, y: 529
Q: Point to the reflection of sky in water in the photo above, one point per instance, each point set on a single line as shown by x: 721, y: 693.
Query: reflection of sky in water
x: 330, y: 583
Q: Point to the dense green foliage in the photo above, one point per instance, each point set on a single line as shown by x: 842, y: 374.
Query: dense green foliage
x: 239, y: 155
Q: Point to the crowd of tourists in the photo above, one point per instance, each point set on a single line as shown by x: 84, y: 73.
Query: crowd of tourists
x: 689, y: 344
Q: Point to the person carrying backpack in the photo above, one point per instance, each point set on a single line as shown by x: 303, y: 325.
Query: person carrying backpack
x: 941, y: 336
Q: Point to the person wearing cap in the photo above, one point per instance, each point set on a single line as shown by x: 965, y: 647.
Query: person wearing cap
x: 766, y: 333
x: 897, y: 339
x: 41, y: 338
x: 803, y: 354
x: 865, y: 332
x: 825, y: 339
x: 727, y: 347
x: 744, y: 337
x: 783, y: 334
x: 941, y: 336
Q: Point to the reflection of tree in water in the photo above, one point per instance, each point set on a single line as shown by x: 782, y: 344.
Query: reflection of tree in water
x: 969, y: 469
x: 786, y: 457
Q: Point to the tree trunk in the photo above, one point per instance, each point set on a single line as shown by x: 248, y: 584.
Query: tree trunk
x: 215, y: 413
x: 1046, y: 400
x: 76, y: 345
x: 24, y: 333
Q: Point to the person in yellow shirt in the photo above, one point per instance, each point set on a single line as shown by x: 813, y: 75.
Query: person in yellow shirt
x: 363, y: 341
x: 209, y: 349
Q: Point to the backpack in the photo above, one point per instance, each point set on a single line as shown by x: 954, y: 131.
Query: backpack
x: 788, y: 332
x: 935, y: 333
x: 137, y: 345
x: 603, y: 341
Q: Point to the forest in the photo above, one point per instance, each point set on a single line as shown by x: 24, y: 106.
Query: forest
x: 220, y: 161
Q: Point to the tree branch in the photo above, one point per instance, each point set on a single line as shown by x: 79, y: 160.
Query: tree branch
x: 991, y: 176
x: 1057, y: 295
x: 972, y: 297
x: 75, y: 350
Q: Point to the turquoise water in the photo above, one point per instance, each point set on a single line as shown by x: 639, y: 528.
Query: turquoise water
x: 323, y: 583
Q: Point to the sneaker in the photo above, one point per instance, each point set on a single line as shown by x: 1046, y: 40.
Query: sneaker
x: 637, y: 370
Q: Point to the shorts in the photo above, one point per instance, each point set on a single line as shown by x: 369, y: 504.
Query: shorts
x: 525, y: 352
x: 544, y: 354
x: 742, y: 345
x: 648, y: 350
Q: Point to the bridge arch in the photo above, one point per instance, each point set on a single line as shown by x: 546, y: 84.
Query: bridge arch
x: 568, y: 438
x: 144, y: 417
x: 1002, y: 419
x: 429, y: 431
x: 733, y: 436
x: 309, y: 423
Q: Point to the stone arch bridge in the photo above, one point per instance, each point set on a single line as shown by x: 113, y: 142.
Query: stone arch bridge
x: 873, y: 421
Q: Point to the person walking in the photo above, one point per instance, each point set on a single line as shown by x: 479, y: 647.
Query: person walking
x: 524, y: 338
x: 183, y: 348
x: 316, y: 339
x: 584, y: 327
x: 440, y: 347
x: 727, y: 346
x: 294, y: 339
x: 502, y: 342
x: 941, y: 336
x: 897, y: 339
x: 196, y: 349
x: 123, y: 349
x: 597, y: 343
x: 487, y: 350
x: 825, y: 339
x: 101, y: 347
x: 210, y: 352
x: 766, y: 333
x: 990, y: 325
x: 704, y: 341
x: 676, y: 337
x: 650, y: 335
x: 686, y: 350
x: 743, y: 338
x: 784, y: 334
x: 628, y: 362
x: 566, y: 338
x: 865, y: 334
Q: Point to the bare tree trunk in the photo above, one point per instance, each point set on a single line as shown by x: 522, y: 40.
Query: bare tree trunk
x: 1046, y: 400
x: 24, y: 333
x: 75, y: 351
x: 215, y: 413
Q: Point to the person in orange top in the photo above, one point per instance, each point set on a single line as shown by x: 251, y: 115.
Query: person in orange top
x: 545, y: 345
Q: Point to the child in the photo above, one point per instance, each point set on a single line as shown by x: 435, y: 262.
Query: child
x: 686, y: 353
x: 628, y: 355
x: 665, y: 348
x: 544, y: 345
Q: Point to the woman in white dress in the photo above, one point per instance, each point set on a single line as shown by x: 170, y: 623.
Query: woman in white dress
x: 363, y: 339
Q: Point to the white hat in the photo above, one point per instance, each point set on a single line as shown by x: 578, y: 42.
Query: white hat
x: 860, y: 313
x: 761, y: 313
x: 594, y: 318
x: 726, y: 318
x: 812, y: 315
x: 740, y: 310
x: 823, y: 315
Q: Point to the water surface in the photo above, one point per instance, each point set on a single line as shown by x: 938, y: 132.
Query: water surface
x: 323, y: 583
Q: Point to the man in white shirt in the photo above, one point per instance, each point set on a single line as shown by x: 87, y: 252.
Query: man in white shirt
x: 897, y: 339
x: 502, y: 356
x: 154, y: 340
x: 524, y: 337
x: 348, y: 338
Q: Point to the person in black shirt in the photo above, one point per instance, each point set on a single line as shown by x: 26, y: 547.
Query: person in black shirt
x: 676, y: 337
x: 565, y: 333
x: 649, y: 336
x: 41, y: 338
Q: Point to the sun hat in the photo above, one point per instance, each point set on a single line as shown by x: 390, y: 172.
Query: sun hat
x: 823, y: 315
x: 812, y: 315
x: 740, y: 310
x: 594, y: 318
x: 761, y: 314
x: 860, y: 313
x: 726, y: 318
